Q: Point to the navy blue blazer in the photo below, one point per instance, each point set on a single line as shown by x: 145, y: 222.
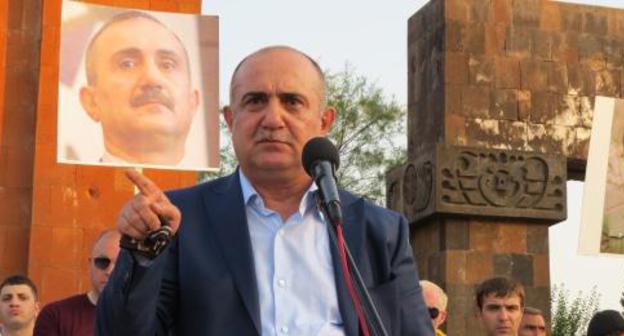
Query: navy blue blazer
x: 204, y: 283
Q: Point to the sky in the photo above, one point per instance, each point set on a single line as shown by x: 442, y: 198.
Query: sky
x: 371, y: 37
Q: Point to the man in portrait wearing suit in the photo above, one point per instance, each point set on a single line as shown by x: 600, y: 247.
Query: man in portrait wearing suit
x: 251, y: 255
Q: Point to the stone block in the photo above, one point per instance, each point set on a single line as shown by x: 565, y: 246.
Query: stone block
x: 455, y: 234
x: 519, y: 42
x: 453, y: 39
x: 558, y: 78
x: 571, y: 19
x: 614, y: 53
x: 456, y: 68
x: 455, y: 266
x: 455, y: 129
x: 608, y: 83
x: 483, y: 234
x: 541, y: 269
x: 550, y: 16
x: 543, y: 107
x: 479, y: 265
x: 581, y: 80
x: 507, y: 73
x: 495, y: 39
x: 457, y: 11
x: 590, y: 46
x: 515, y: 266
x: 595, y: 22
x: 504, y: 105
x: 475, y: 101
x: 537, y: 239
x: 515, y: 132
x: 543, y: 42
x: 473, y: 39
x: 526, y: 13
x: 524, y: 104
x: 502, y: 12
x: 452, y: 100
x: 511, y: 238
x: 565, y: 47
x: 481, y: 71
x: 534, y: 74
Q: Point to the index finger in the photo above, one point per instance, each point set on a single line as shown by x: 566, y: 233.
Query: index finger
x: 146, y: 186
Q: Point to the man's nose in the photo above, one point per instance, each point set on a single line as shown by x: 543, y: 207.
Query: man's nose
x: 151, y: 75
x: 273, y: 114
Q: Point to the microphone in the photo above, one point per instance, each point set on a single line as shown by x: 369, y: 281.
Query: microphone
x: 320, y: 160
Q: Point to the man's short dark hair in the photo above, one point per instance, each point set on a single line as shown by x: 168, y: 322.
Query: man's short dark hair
x: 18, y: 279
x: 124, y: 16
x: 500, y: 287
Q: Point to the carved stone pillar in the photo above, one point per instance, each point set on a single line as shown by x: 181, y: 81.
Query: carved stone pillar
x: 500, y: 101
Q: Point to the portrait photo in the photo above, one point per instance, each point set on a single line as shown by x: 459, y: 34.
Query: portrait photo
x: 138, y: 88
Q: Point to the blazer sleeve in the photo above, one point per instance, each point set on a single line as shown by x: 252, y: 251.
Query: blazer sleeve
x: 139, y: 298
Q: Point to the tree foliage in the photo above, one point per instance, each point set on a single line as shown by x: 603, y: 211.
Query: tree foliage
x: 571, y: 315
x: 366, y: 132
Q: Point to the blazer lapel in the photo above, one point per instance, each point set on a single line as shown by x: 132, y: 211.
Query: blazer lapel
x: 353, y: 237
x: 226, y: 211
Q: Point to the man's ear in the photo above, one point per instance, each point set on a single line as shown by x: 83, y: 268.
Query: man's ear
x: 88, y: 102
x: 228, y: 116
x: 328, y: 116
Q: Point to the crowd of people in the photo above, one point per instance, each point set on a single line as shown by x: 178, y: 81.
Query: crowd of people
x: 499, y: 302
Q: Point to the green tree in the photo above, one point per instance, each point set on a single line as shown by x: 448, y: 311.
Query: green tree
x: 571, y: 315
x: 367, y: 132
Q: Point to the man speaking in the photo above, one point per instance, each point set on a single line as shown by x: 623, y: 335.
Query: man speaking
x: 252, y: 255
x: 139, y: 90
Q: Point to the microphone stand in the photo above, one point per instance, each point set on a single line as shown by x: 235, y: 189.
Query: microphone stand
x: 372, y: 315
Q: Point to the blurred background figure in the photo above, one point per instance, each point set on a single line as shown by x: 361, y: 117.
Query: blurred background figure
x: 436, y: 301
x: 606, y: 323
x: 532, y: 323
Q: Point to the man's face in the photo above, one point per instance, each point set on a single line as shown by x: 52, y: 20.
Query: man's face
x: 276, y: 108
x: 501, y: 315
x: 532, y: 325
x: 103, y: 259
x: 141, y: 93
x: 18, y: 306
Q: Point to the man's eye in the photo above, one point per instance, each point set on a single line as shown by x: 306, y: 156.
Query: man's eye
x: 168, y: 65
x: 127, y: 64
x: 254, y: 100
x: 292, y: 100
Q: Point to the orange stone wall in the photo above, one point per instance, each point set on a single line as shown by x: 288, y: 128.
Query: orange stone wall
x: 52, y: 212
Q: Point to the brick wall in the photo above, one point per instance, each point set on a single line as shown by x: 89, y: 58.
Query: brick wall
x: 20, y: 29
x: 516, y: 74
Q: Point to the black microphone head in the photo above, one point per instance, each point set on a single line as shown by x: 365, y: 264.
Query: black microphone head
x: 319, y: 149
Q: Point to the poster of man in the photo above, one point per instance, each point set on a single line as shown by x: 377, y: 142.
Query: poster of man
x: 602, y: 221
x: 138, y: 88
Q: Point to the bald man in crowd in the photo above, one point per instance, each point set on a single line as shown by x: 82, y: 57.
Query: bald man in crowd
x: 436, y: 301
x: 75, y: 315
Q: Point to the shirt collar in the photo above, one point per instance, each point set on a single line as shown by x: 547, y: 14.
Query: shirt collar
x: 250, y: 195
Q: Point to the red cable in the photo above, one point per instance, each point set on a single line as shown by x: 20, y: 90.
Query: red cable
x: 347, y: 278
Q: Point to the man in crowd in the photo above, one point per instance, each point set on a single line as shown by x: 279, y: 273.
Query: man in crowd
x: 436, y: 301
x: 75, y: 315
x: 500, y: 302
x: 532, y: 323
x: 252, y: 255
x: 18, y: 306
x: 606, y: 323
x: 139, y: 88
